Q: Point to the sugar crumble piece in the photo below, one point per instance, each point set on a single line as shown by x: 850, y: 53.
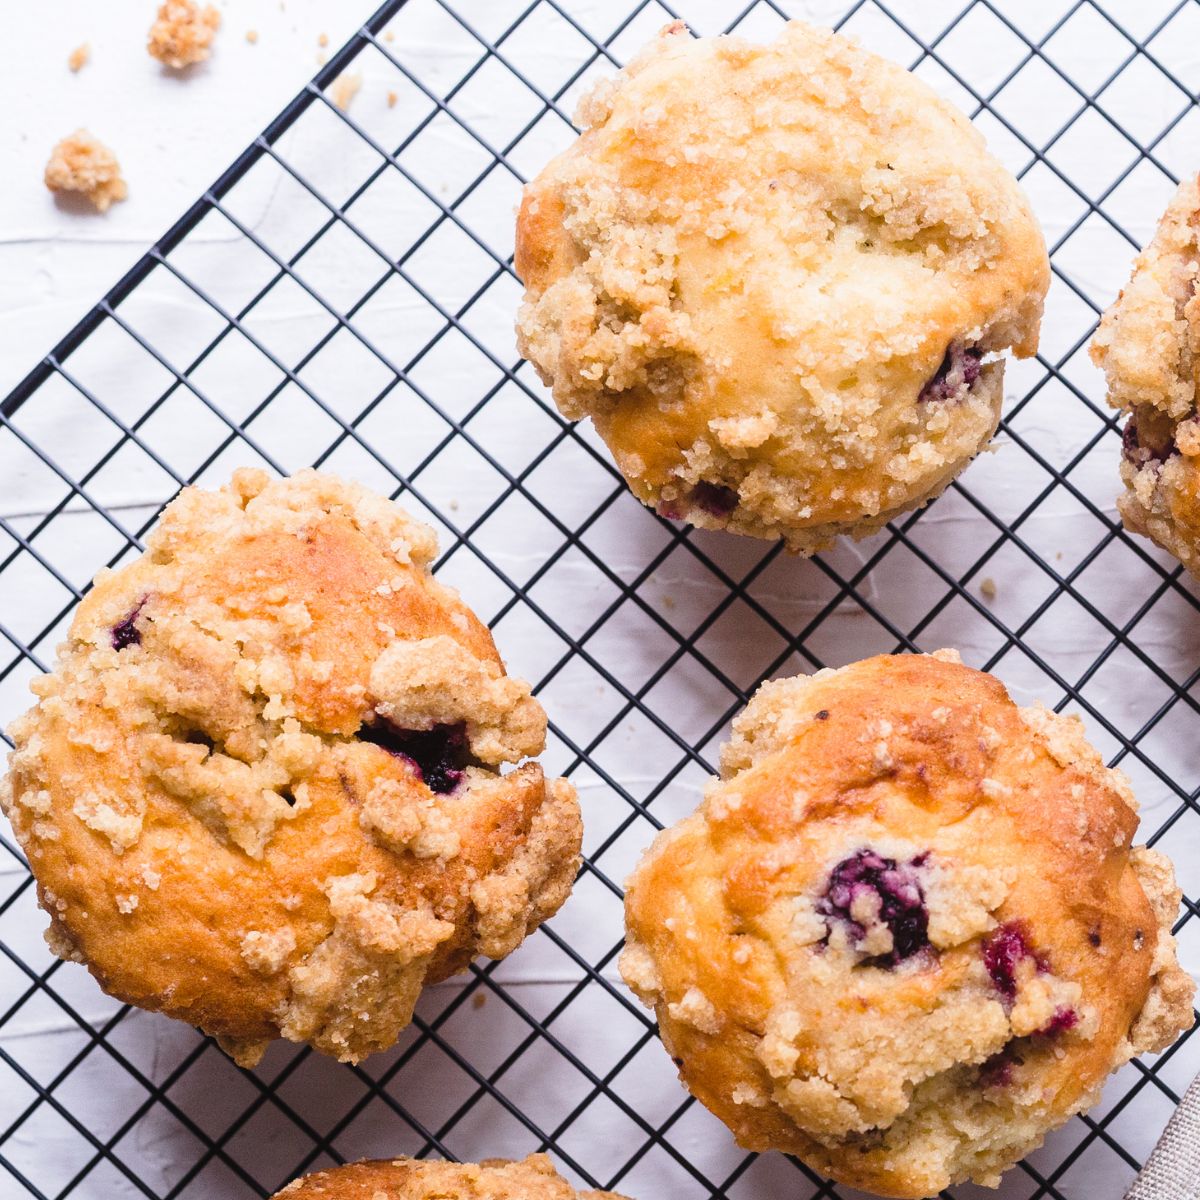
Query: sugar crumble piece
x: 344, y: 88
x: 391, y: 99
x: 323, y: 40
x: 78, y: 58
x: 252, y: 36
x: 182, y: 33
x: 987, y: 588
x: 80, y: 163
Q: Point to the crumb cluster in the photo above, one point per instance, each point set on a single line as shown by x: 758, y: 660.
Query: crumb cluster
x: 81, y: 163
x: 182, y: 33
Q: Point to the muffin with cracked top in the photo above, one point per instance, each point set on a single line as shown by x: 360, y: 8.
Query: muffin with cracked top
x: 905, y: 934
x: 533, y: 1178
x: 779, y: 279
x: 1148, y: 346
x: 262, y: 792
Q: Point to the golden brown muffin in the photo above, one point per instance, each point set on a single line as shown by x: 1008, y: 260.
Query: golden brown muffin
x: 905, y: 935
x: 260, y: 791
x: 1148, y: 346
x: 778, y: 279
x: 534, y: 1178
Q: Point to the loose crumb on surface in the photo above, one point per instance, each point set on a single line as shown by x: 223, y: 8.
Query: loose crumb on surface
x: 344, y: 88
x: 389, y: 36
x: 988, y: 588
x: 80, y: 163
x: 391, y: 99
x: 182, y: 33
x: 78, y: 58
x: 323, y: 40
x: 252, y: 36
x: 479, y: 999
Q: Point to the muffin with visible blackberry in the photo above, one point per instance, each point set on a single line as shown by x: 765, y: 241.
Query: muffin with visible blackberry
x: 261, y: 790
x: 780, y: 280
x: 1148, y: 346
x: 905, y: 934
x: 534, y: 1178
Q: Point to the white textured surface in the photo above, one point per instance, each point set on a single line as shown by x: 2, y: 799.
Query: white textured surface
x: 174, y: 137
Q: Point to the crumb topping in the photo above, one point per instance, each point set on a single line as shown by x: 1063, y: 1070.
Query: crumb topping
x: 80, y: 163
x: 182, y: 33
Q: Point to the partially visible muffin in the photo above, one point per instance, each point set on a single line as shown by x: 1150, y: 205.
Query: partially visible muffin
x: 779, y: 280
x: 182, y: 33
x: 81, y: 163
x: 905, y: 935
x: 534, y: 1178
x: 1148, y: 346
x: 261, y: 791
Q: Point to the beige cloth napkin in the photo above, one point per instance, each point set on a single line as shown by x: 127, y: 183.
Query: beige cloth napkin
x: 1172, y: 1171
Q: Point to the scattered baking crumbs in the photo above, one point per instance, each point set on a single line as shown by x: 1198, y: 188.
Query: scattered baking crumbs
x: 79, y: 57
x: 389, y: 36
x: 454, y: 506
x: 392, y: 98
x: 988, y: 588
x: 668, y: 602
x: 323, y: 40
x: 80, y: 163
x: 182, y: 33
x: 479, y: 999
x: 252, y: 36
x: 344, y: 88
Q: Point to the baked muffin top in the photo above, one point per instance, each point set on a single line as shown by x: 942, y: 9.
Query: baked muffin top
x: 772, y: 275
x: 905, y: 933
x: 1148, y: 345
x: 534, y: 1178
x: 261, y: 792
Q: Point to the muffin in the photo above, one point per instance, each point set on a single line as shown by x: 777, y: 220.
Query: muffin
x: 1148, y: 346
x: 261, y: 789
x: 534, y: 1178
x: 779, y: 280
x: 905, y: 934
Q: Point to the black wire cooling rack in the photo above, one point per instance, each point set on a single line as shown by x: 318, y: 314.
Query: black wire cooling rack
x: 343, y: 296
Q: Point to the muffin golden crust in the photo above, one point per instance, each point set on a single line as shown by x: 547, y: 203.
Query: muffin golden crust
x: 777, y: 279
x: 260, y: 791
x: 1148, y: 346
x: 534, y: 1178
x: 905, y: 935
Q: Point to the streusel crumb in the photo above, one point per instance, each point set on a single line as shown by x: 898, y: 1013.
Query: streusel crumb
x: 79, y: 57
x: 80, y: 163
x: 344, y: 88
x: 183, y: 33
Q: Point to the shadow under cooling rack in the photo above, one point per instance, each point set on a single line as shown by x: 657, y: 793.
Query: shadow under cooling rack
x: 343, y: 296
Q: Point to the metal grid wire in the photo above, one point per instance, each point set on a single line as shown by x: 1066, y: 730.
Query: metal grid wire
x: 644, y: 637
